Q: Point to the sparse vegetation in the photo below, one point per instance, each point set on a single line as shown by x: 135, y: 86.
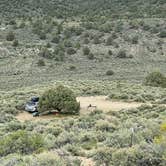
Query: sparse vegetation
x: 98, y: 50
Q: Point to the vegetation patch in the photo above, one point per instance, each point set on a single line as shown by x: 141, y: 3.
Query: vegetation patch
x: 61, y: 99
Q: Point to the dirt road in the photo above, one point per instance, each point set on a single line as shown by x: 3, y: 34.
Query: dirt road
x: 100, y: 102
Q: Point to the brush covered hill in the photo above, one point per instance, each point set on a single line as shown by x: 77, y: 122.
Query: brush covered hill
x: 47, y: 49
x: 68, y: 8
x: 43, y: 41
x: 93, y: 47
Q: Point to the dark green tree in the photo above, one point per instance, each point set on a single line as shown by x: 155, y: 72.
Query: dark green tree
x: 61, y: 99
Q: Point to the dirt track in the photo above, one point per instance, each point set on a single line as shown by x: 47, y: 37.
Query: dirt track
x: 100, y: 102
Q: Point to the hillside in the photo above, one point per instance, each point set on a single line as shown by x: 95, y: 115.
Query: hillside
x: 44, y: 50
x: 97, y: 69
x: 43, y: 41
x: 87, y: 8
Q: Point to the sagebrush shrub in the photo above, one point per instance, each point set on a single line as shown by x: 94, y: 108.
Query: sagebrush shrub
x: 122, y: 54
x: 41, y: 62
x: 90, y: 56
x: 21, y: 142
x: 71, y: 51
x: 15, y: 43
x: 155, y: 79
x: 42, y: 35
x: 110, y: 52
x: 10, y: 36
x: 162, y: 34
x: 110, y: 72
x: 55, y: 39
x: 46, y: 53
x: 134, y: 40
x: 109, y: 41
x: 86, y: 51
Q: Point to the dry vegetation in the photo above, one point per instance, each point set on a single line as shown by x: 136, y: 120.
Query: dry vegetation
x: 95, y: 48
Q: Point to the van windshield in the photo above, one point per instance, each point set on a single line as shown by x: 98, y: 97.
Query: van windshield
x: 31, y: 103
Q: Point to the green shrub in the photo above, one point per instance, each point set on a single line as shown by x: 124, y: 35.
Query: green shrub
x: 10, y: 36
x: 122, y: 54
x: 96, y: 40
x: 154, y: 30
x: 86, y: 51
x: 109, y: 41
x: 71, y: 51
x: 47, y: 159
x: 110, y: 52
x: 48, y: 45
x: 4, y: 117
x: 72, y: 68
x: 107, y: 27
x: 103, y: 125
x: 134, y: 40
x: 22, y: 25
x: 156, y: 79
x: 15, y: 43
x: 60, y: 56
x: 77, y: 45
x: 42, y: 35
x: 110, y: 73
x: 56, y: 39
x: 103, y: 156
x: 42, y: 159
x: 37, y: 26
x: 21, y: 142
x: 66, y: 138
x: 162, y: 34
x: 134, y: 24
x: 12, y: 22
x: 114, y: 35
x: 86, y: 34
x: 146, y: 27
x: 74, y: 150
x: 61, y: 99
x: 86, y: 41
x: 68, y: 43
x: 45, y: 53
x: 90, y: 56
x: 41, y: 62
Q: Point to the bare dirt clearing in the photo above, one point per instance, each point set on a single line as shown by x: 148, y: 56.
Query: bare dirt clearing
x: 103, y: 104
x: 100, y: 102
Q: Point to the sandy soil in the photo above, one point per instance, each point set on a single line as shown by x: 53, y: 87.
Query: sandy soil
x: 100, y: 102
x: 86, y: 161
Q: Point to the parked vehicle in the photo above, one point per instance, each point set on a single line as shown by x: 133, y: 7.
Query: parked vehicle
x: 31, y: 106
x: 35, y: 114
